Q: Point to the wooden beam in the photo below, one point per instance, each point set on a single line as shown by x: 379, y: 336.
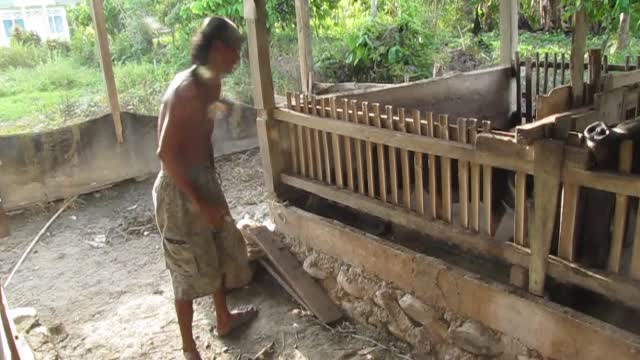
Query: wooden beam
x: 578, y: 46
x: 595, y: 59
x: 440, y: 284
x: 269, y: 132
x: 107, y: 67
x: 304, y: 44
x: 618, y: 80
x: 613, y: 286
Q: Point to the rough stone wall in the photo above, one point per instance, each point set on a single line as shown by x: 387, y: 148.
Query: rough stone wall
x: 433, y: 331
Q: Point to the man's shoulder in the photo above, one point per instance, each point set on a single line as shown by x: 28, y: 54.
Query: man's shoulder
x: 182, y: 86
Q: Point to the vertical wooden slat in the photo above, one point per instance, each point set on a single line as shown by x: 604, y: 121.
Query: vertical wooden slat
x: 433, y: 189
x: 300, y: 138
x: 627, y: 63
x: 487, y: 179
x: 546, y: 73
x: 393, y: 167
x: 634, y: 269
x: 369, y: 153
x: 463, y: 176
x: 605, y: 64
x: 520, y: 223
x: 475, y: 180
x: 382, y: 172
x: 562, y: 73
x: 317, y: 134
x: 555, y: 70
x: 537, y: 73
x: 620, y: 212
x: 549, y: 158
x: 308, y: 140
x: 446, y: 172
x: 568, y: 218
x: 518, y: 87
x: 348, y: 154
x: 576, y: 62
x: 292, y: 139
x: 335, y: 140
x: 325, y: 144
x: 417, y: 164
x: 358, y: 146
x: 404, y: 164
x: 528, y: 90
x: 595, y: 67
x: 638, y: 62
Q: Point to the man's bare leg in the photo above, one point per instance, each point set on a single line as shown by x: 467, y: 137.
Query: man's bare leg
x: 184, y: 311
x: 227, y: 321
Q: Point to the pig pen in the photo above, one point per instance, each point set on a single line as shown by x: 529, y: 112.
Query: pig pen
x: 431, y: 189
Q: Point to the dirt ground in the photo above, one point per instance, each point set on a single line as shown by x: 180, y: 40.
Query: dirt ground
x: 99, y: 272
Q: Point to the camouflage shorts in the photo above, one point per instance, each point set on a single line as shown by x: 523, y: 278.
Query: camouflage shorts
x: 199, y: 259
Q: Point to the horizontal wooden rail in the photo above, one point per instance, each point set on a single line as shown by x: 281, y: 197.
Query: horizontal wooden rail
x: 512, y: 157
x: 616, y: 183
x: 613, y: 286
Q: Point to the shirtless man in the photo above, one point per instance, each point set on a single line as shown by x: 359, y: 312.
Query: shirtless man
x: 204, y: 251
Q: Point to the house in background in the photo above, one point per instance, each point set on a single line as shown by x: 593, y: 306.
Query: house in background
x: 47, y: 18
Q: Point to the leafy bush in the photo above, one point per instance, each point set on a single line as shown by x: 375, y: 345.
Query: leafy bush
x: 83, y: 46
x: 19, y: 56
x: 25, y: 38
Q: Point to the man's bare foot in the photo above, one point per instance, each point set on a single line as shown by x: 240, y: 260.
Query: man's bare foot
x: 239, y: 317
x: 191, y: 355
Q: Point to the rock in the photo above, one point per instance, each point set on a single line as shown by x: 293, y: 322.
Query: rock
x: 417, y: 310
x: 355, y: 284
x: 399, y: 323
x: 454, y: 353
x: 358, y: 310
x: 420, y: 338
x: 310, y: 265
x: 25, y: 318
x: 475, y: 338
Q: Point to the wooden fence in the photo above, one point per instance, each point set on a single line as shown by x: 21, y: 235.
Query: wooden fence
x: 538, y: 75
x: 371, y: 157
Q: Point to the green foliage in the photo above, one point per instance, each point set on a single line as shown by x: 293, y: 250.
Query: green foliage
x: 19, y: 56
x: 24, y: 38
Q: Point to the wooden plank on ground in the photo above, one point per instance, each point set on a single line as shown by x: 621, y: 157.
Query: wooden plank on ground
x: 288, y: 266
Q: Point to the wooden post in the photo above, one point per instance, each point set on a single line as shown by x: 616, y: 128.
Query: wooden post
x: 433, y: 189
x: 107, y: 67
x: 549, y: 158
x: 520, y: 221
x: 393, y: 167
x: 255, y: 13
x: 304, y: 44
x: 445, y: 175
x: 528, y: 91
x: 487, y: 196
x: 545, y: 86
x: 463, y: 173
x: 475, y: 181
x: 335, y: 140
x: 404, y: 164
x: 518, y: 88
x: 595, y: 67
x: 509, y: 42
x: 369, y: 153
x: 578, y: 45
x: 620, y: 212
x: 508, y: 30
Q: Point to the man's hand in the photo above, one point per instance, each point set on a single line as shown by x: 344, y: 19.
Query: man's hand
x: 214, y: 215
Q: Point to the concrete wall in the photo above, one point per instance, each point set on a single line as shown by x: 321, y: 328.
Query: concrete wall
x: 482, y: 94
x: 84, y: 157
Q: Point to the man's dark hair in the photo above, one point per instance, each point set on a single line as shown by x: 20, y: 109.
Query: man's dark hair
x: 214, y: 29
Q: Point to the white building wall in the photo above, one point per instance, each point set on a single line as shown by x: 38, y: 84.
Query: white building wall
x: 40, y: 19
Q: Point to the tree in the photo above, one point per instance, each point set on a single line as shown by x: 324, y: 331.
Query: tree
x: 623, y: 32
